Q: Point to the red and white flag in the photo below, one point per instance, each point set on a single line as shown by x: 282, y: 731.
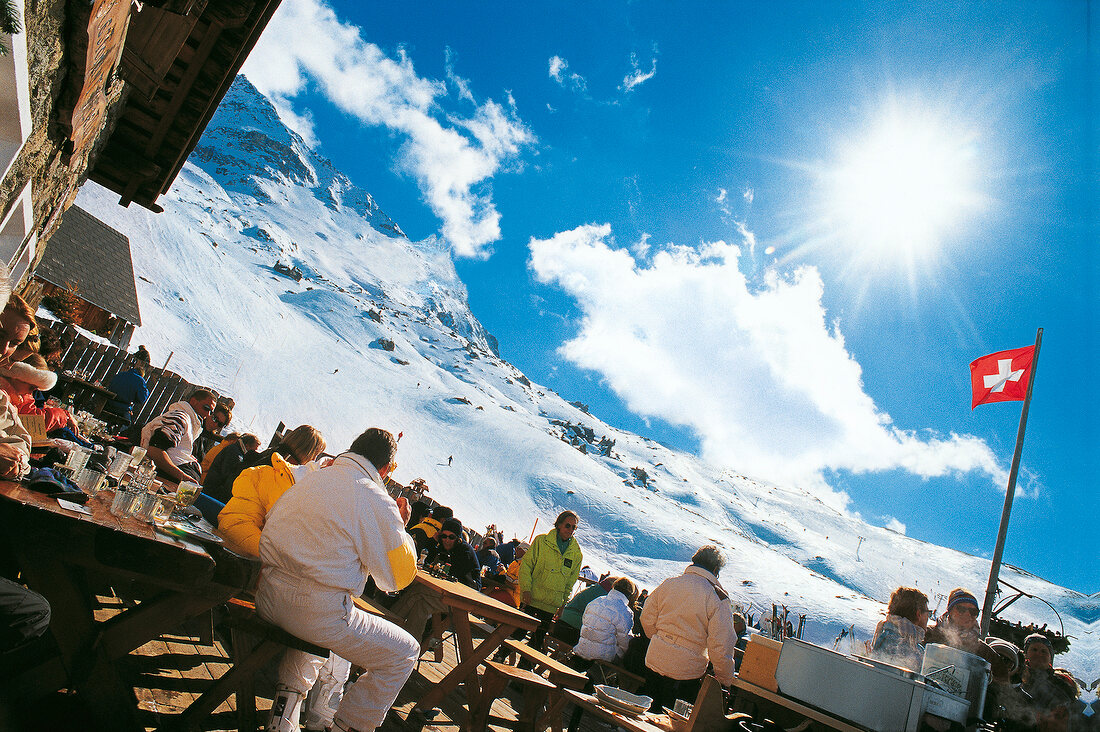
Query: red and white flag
x: 1001, y: 376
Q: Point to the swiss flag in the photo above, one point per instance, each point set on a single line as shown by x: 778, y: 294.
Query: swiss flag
x: 1001, y: 376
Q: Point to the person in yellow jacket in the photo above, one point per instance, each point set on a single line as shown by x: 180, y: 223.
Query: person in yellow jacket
x: 256, y: 489
x: 549, y: 571
x: 255, y: 492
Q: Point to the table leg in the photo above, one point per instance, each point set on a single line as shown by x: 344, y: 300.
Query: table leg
x: 94, y: 675
x: 461, y: 622
x: 465, y: 667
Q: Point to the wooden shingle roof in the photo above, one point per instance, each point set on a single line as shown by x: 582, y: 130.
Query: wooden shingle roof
x: 86, y: 253
x: 180, y: 59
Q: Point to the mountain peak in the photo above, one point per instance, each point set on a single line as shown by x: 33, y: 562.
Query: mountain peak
x: 247, y: 147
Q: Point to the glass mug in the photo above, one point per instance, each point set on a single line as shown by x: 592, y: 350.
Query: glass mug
x: 187, y: 492
x: 123, y: 502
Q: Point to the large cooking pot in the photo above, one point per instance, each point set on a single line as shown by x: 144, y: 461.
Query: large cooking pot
x: 961, y: 673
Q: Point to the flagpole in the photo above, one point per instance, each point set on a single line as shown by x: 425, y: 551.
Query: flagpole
x: 995, y: 569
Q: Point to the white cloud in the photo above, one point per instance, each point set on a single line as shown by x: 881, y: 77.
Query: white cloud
x: 462, y: 86
x: 894, y: 525
x: 451, y: 157
x: 756, y: 370
x: 558, y: 68
x: 749, y: 195
x: 722, y: 199
x: 300, y: 123
x: 637, y: 76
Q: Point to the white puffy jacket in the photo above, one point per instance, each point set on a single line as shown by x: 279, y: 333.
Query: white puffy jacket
x: 605, y: 628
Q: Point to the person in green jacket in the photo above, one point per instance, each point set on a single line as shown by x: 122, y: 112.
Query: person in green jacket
x: 548, y: 573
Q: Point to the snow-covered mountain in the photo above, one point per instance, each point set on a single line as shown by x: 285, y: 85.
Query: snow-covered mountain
x: 378, y: 332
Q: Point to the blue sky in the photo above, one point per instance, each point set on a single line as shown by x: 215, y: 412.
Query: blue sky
x: 774, y: 234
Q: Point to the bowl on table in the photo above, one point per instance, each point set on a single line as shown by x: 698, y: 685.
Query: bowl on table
x: 622, y: 701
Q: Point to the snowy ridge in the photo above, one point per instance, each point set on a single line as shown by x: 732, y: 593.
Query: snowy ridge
x: 378, y: 332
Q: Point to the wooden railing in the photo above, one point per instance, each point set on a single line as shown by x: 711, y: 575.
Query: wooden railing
x: 100, y: 362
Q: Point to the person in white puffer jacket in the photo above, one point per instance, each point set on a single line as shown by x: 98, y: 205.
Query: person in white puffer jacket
x: 607, y: 622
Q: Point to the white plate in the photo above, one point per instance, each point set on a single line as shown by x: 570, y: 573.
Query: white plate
x: 190, y: 530
x: 623, y: 701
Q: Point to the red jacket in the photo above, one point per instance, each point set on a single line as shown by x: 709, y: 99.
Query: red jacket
x: 55, y: 416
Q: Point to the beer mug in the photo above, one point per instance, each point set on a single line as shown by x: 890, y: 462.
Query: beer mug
x: 187, y: 492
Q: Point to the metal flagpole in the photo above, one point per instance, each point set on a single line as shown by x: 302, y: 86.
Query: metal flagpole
x: 995, y: 569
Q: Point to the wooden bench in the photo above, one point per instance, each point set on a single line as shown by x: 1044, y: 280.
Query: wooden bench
x: 243, y: 622
x: 556, y: 671
x: 561, y: 676
x: 536, y: 693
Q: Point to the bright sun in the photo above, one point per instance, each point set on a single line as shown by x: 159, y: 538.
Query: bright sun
x: 899, y: 190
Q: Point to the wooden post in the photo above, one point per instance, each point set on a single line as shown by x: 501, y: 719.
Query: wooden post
x: 1002, y: 532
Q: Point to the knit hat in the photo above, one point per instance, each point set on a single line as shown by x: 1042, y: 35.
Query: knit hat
x: 959, y: 596
x: 1008, y: 651
x: 453, y: 525
x: 43, y: 379
x: 1039, y: 638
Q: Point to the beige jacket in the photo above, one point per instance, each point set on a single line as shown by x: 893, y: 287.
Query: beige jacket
x: 689, y: 621
x: 12, y: 430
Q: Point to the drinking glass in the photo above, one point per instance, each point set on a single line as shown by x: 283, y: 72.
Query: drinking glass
x: 89, y: 480
x: 138, y: 453
x: 119, y: 464
x: 77, y: 459
x: 145, y: 506
x: 123, y: 500
x: 163, y: 507
x: 187, y: 492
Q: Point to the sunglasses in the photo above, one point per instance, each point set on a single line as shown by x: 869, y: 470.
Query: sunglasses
x: 450, y: 537
x: 568, y: 526
x: 972, y: 611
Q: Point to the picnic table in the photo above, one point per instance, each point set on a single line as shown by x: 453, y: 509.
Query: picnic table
x: 756, y: 700
x: 66, y: 555
x: 590, y: 705
x: 461, y: 601
x: 85, y: 394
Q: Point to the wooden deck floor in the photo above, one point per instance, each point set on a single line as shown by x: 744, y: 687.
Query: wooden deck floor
x: 172, y: 671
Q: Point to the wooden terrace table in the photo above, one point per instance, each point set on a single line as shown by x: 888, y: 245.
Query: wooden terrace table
x: 85, y: 394
x: 65, y: 556
x: 590, y: 705
x: 742, y: 688
x: 461, y: 601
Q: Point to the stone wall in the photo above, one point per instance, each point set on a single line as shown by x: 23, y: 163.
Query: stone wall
x: 54, y: 183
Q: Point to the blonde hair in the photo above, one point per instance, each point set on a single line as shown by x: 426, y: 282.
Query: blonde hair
x: 304, y: 443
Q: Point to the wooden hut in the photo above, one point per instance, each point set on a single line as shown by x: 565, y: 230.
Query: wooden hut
x: 88, y: 263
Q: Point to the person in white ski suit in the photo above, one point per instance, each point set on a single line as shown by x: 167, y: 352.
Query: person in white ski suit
x: 321, y: 540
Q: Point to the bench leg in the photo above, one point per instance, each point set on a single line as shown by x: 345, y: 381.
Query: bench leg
x: 492, y: 685
x: 534, y: 699
x: 229, y: 682
x: 551, y: 718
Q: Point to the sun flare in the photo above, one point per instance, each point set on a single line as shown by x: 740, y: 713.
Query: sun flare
x: 899, y: 190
